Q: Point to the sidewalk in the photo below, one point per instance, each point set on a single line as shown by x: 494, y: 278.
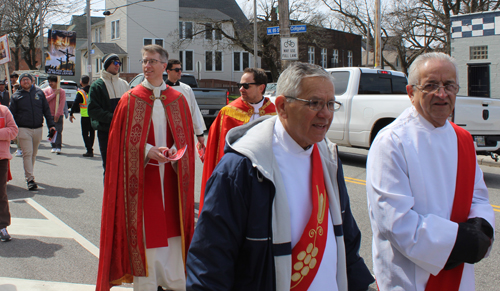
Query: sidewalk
x: 487, y: 161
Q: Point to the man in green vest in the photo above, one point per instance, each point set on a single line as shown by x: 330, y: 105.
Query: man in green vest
x: 80, y: 105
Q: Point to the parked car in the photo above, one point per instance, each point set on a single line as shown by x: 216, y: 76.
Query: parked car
x: 270, y: 91
x: 70, y: 87
x: 210, y: 100
x: 372, y: 98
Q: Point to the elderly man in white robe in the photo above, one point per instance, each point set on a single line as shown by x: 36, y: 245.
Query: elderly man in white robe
x: 428, y: 203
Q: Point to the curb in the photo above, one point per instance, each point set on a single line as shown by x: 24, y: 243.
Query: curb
x: 487, y: 161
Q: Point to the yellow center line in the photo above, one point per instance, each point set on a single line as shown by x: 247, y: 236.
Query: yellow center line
x: 363, y: 182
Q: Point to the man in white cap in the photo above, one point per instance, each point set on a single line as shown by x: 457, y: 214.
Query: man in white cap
x: 29, y: 106
x: 104, y: 95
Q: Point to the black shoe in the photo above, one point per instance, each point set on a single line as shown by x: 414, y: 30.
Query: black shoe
x: 88, y: 154
x: 32, y: 185
x: 4, y: 235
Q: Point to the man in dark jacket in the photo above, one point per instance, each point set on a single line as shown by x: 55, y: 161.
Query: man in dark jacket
x: 4, y: 94
x: 81, y: 105
x: 29, y: 106
x: 276, y: 214
x: 104, y: 94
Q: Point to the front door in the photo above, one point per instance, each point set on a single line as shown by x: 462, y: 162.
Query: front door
x: 478, y: 76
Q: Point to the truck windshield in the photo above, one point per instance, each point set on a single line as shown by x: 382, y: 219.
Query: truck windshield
x: 373, y: 83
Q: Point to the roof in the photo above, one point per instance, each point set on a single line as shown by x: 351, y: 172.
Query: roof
x: 202, y: 14
x: 79, y: 24
x: 109, y: 48
x: 227, y: 7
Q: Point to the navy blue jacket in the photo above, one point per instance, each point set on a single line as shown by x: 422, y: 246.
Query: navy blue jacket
x: 243, y: 209
x: 29, y: 108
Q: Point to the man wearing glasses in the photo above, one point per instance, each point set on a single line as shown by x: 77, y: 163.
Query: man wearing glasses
x: 148, y: 201
x: 174, y: 71
x: 428, y: 203
x: 248, y: 107
x: 273, y: 218
x: 104, y: 94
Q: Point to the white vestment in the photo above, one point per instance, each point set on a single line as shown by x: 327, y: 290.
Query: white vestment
x: 410, y: 182
x: 198, y: 123
x: 295, y: 166
x: 165, y: 265
x: 256, y: 108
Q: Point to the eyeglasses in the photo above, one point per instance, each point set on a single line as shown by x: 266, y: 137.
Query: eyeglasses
x: 432, y: 88
x: 117, y: 63
x: 317, y: 105
x: 246, y: 85
x: 152, y: 62
x: 177, y: 70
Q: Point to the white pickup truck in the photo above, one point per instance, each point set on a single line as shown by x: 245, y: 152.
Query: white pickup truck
x: 372, y: 98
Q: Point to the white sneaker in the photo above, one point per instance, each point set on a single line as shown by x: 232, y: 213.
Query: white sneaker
x: 58, y: 151
x: 19, y: 153
x: 53, y: 150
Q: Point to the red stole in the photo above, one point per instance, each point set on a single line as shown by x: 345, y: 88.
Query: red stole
x: 464, y: 190
x: 122, y: 250
x: 308, y: 252
x: 235, y: 114
x: 161, y: 221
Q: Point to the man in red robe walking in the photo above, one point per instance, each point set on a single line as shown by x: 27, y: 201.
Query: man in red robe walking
x: 248, y: 107
x: 148, y: 207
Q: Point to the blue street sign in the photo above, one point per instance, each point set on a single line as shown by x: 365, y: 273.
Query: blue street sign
x: 297, y: 28
x: 273, y: 30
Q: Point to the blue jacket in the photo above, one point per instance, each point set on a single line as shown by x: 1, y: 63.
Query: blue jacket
x: 29, y: 108
x: 238, y: 206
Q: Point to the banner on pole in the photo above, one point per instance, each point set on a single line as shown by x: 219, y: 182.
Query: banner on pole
x: 61, y: 53
x: 4, y: 50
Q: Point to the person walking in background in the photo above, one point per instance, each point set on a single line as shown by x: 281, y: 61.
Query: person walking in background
x: 8, y: 131
x: 80, y: 105
x: 4, y: 94
x: 29, y: 106
x: 148, y: 202
x: 428, y: 204
x: 174, y: 70
x: 51, y: 93
x: 104, y: 94
x: 249, y: 106
x: 13, y: 82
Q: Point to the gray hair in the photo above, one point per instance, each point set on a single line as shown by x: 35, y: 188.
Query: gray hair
x: 154, y: 48
x: 414, y: 71
x: 289, y: 82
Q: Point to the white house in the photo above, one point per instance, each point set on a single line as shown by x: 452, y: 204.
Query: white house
x: 183, y: 28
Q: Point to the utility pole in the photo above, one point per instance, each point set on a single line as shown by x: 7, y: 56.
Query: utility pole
x: 284, y: 15
x: 89, y: 41
x: 42, y: 61
x: 255, y: 52
x: 378, y: 38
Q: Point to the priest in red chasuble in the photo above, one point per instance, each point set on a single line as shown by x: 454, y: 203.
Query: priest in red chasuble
x: 248, y: 107
x: 277, y: 213
x: 148, y: 205
x: 429, y: 208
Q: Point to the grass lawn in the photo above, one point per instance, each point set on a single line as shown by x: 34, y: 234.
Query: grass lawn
x: 233, y: 97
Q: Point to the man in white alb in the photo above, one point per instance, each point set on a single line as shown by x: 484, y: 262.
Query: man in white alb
x: 427, y: 200
x: 174, y: 70
x: 277, y: 214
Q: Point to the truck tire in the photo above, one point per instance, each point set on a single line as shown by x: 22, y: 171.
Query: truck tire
x: 381, y: 123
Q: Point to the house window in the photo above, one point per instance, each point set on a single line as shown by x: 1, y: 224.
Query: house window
x: 115, y: 29
x: 324, y: 62
x: 97, y: 65
x: 310, y: 54
x: 185, y: 30
x: 186, y: 58
x: 217, y: 33
x: 213, y: 61
x: 479, y: 52
x: 97, y: 35
x: 349, y: 58
x: 335, y: 58
x: 158, y: 41
x: 208, y: 31
x: 241, y: 61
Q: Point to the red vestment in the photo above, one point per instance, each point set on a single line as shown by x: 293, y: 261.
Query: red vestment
x: 122, y: 250
x: 234, y: 114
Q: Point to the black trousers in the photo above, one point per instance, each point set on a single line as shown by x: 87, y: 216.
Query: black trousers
x: 88, y: 134
x: 102, y: 136
x: 4, y: 201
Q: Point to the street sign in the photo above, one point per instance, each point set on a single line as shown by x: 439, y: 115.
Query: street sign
x: 297, y: 28
x: 273, y: 30
x: 289, y: 48
x: 91, y: 52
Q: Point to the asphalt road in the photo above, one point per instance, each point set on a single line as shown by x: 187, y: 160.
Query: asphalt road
x: 56, y: 229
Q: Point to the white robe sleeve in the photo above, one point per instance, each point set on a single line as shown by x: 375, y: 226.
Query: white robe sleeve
x: 425, y: 240
x: 198, y: 122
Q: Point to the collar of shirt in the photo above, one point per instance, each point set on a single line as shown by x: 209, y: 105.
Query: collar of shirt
x: 156, y: 90
x: 173, y: 84
x: 287, y: 142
